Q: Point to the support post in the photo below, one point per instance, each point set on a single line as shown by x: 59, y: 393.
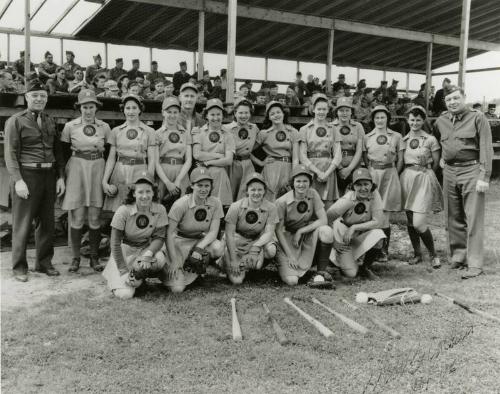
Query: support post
x: 329, y: 61
x: 407, y: 83
x: 266, y: 68
x: 384, y: 75
x: 61, y: 45
x: 231, y: 48
x: 464, y: 42
x: 27, y: 40
x: 298, y: 66
x: 357, y: 75
x: 428, y: 75
x: 201, y: 43
x: 150, y: 57
x: 105, y: 55
x: 194, y: 63
x: 8, y: 48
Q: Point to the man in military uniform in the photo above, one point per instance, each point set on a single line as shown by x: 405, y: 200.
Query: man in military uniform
x: 465, y: 137
x: 134, y: 72
x: 117, y: 71
x: 70, y: 66
x: 392, y: 91
x: 340, y: 83
x: 382, y: 89
x: 181, y: 77
x: 93, y: 69
x: 154, y: 74
x: 47, y: 69
x: 19, y: 64
x: 6, y: 82
x: 491, y: 115
x: 34, y: 159
x: 438, y: 105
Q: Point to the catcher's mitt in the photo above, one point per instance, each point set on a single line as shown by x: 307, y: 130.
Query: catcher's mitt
x: 169, y: 198
x: 197, y: 261
x: 145, y: 267
x: 253, y: 257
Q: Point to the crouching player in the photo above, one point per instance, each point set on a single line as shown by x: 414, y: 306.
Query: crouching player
x: 302, y: 221
x: 250, y: 224
x: 357, y: 220
x: 192, y: 242
x: 138, y: 233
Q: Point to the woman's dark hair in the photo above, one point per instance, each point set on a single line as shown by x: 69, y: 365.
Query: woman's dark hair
x: 255, y: 181
x: 130, y: 199
x: 205, y: 112
x: 141, y: 105
x: 243, y: 103
x: 189, y: 189
x: 418, y: 112
x: 350, y: 186
x: 385, y: 112
x: 290, y: 182
x: 59, y: 69
x: 268, y: 123
x: 336, y: 115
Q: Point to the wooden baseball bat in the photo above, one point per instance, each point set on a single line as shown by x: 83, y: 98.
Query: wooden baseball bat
x: 351, y: 323
x: 469, y: 308
x: 375, y: 321
x: 282, y: 339
x: 318, y: 325
x: 236, y: 324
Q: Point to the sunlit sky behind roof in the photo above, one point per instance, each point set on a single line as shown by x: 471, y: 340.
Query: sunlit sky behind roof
x: 479, y: 86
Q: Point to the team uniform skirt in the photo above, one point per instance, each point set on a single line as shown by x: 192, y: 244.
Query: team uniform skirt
x: 221, y: 185
x: 277, y: 176
x: 83, y: 183
x: 122, y: 177
x: 238, y: 173
x: 328, y: 191
x: 5, y: 190
x: 304, y: 254
x: 130, y: 253
x: 421, y: 191
x: 389, y: 187
x: 171, y: 171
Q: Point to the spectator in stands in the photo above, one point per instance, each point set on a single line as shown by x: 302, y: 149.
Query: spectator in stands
x: 223, y: 78
x: 217, y: 90
x: 207, y: 84
x: 117, y: 71
x: 77, y: 84
x: 154, y: 74
x: 70, y: 66
x: 93, y: 69
x: 6, y: 82
x: 378, y: 98
x: 360, y: 88
x: 394, y: 123
x: 420, y: 99
x: 189, y: 118
x: 181, y: 77
x: 47, y: 69
x: 146, y: 91
x: 317, y: 88
x: 273, y: 92
x: 111, y: 89
x: 134, y: 72
x: 291, y: 97
x: 406, y: 105
x: 134, y: 89
x: 252, y: 96
x: 123, y: 82
x: 477, y: 107
x: 19, y: 64
x: 99, y: 81
x: 491, y: 111
x: 439, y: 105
x: 363, y: 109
x: 169, y: 88
x: 310, y: 85
x: 261, y: 98
x: 243, y: 92
x: 340, y: 83
x: 300, y: 87
x: 59, y: 84
x: 159, y: 92
x: 392, y: 91
x: 382, y: 88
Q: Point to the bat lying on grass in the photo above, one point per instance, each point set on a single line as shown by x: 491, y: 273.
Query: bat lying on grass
x: 469, y: 308
x: 351, y: 323
x: 282, y: 339
x: 318, y: 325
x: 236, y: 324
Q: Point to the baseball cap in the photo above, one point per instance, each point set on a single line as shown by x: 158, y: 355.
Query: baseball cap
x: 344, y: 102
x: 361, y: 174
x: 301, y: 169
x: 319, y: 96
x: 171, y: 101
x: 255, y: 177
x: 143, y: 177
x: 87, y: 96
x: 188, y: 85
x: 214, y: 103
x: 199, y: 174
x: 273, y: 103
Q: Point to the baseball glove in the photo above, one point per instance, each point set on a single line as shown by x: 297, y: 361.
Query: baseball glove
x: 169, y: 198
x: 197, y: 261
x: 253, y: 257
x: 144, y: 267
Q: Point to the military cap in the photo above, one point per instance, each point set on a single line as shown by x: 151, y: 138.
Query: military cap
x: 361, y: 174
x: 154, y: 62
x: 476, y: 105
x: 70, y: 53
x: 341, y: 76
x: 451, y: 89
x: 447, y: 80
x: 183, y: 63
x: 492, y: 106
x: 98, y: 56
x: 395, y: 81
x: 119, y: 59
x: 200, y: 174
x: 21, y: 53
x: 383, y: 82
x: 34, y: 85
x: 135, y: 61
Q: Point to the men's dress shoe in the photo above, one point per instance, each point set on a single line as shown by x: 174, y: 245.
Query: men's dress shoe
x: 457, y: 265
x: 96, y: 264
x: 472, y: 273
x: 75, y: 265
x: 49, y: 271
x: 20, y: 277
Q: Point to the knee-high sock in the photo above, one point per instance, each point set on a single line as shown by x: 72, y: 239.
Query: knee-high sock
x: 323, y: 255
x: 94, y: 241
x: 76, y: 241
x: 415, y: 240
x: 428, y: 241
x: 370, y: 257
x: 387, y: 232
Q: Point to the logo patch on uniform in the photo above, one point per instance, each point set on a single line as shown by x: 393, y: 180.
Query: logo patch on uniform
x: 360, y: 208
x: 302, y: 207
x: 280, y: 136
x: 382, y: 140
x: 214, y: 137
x: 251, y: 217
x: 243, y: 134
x: 414, y: 143
x: 89, y: 130
x: 132, y: 134
x: 142, y: 221
x: 344, y: 130
x: 200, y: 215
x: 320, y: 131
x: 174, y: 138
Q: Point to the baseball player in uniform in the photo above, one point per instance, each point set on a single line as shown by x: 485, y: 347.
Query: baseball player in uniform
x: 421, y: 192
x: 302, y: 220
x: 33, y: 156
x: 132, y: 152
x: 280, y: 142
x: 319, y: 149
x: 194, y: 222
x: 86, y: 137
x: 351, y: 142
x: 250, y: 225
x: 465, y: 137
x: 174, y: 156
x: 189, y: 118
x: 213, y: 148
x: 138, y: 232
x: 384, y: 158
x: 357, y: 218
x: 244, y: 135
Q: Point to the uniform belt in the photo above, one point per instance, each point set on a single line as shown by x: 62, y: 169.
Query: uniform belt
x: 461, y: 163
x: 241, y: 158
x: 248, y: 236
x: 37, y: 165
x: 317, y: 155
x: 286, y: 159
x: 348, y: 152
x: 88, y: 155
x: 190, y: 236
x: 418, y: 167
x: 380, y: 166
x: 171, y: 160
x: 131, y: 160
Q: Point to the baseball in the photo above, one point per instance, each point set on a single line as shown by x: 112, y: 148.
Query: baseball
x: 361, y: 298
x: 318, y: 278
x: 426, y: 299
x: 113, y: 189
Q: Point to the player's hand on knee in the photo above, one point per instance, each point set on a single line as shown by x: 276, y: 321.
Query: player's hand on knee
x: 22, y: 189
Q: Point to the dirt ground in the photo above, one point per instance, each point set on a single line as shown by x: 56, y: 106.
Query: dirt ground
x: 68, y: 334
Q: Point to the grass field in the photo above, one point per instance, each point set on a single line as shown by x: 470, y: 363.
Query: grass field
x: 69, y: 335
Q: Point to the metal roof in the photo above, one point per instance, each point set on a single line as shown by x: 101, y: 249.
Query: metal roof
x: 174, y: 27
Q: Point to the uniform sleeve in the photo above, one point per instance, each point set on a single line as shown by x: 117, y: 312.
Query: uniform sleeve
x: 232, y: 213
x: 399, y: 142
x: 365, y: 143
x: 120, y: 218
x: 189, y: 138
x: 377, y: 202
x: 151, y: 137
x: 178, y: 209
x: 317, y: 202
x: 294, y: 134
x: 11, y: 149
x: 281, y: 209
x: 163, y: 219
x: 260, y: 138
x: 302, y: 135
x: 107, y: 133
x: 434, y: 144
x: 402, y: 144
x: 196, y: 136
x: 273, y: 215
x: 112, y: 137
x: 66, y: 134
x: 337, y: 137
x: 361, y: 131
x: 341, y: 206
x: 219, y: 212
x: 230, y: 144
x: 485, y: 148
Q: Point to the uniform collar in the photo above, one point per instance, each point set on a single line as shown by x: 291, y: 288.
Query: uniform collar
x: 421, y: 134
x: 374, y: 131
x: 155, y: 208
x: 209, y: 201
x: 290, y: 196
x: 458, y: 116
x: 264, y: 206
x: 353, y: 197
x: 142, y: 126
x: 79, y: 120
